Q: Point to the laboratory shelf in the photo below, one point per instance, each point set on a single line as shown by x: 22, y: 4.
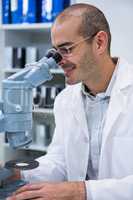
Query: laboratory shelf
x: 11, y: 70
x: 41, y: 111
x: 26, y: 26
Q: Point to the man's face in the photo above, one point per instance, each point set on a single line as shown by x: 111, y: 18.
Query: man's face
x: 79, y: 64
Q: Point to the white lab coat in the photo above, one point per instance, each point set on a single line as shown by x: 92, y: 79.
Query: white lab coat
x: 69, y: 152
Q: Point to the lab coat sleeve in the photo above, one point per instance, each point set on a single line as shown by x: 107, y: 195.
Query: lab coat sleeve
x: 110, y: 189
x: 52, y: 166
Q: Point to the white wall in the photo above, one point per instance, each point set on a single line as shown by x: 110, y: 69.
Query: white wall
x: 120, y: 16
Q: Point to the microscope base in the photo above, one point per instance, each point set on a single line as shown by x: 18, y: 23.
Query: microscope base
x: 9, y: 188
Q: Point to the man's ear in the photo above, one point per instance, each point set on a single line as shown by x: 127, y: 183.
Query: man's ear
x: 101, y: 42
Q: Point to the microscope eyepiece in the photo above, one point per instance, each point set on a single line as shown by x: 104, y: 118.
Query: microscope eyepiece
x: 54, y: 54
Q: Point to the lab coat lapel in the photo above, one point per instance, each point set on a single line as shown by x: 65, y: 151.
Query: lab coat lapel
x: 118, y: 98
x: 117, y: 103
x: 79, y: 112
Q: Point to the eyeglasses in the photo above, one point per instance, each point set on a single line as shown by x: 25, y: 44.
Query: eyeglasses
x: 67, y: 51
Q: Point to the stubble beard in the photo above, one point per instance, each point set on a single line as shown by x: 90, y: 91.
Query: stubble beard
x: 88, y: 69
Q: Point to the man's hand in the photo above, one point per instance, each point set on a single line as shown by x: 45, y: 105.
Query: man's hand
x: 51, y: 191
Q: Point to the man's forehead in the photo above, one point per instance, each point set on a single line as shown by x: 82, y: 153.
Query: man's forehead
x: 70, y: 18
x: 65, y: 31
x: 68, y: 25
x: 67, y: 20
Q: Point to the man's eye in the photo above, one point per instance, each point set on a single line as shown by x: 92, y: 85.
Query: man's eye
x: 64, y: 51
x: 70, y: 49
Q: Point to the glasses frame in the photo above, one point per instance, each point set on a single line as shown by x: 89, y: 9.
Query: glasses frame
x: 68, y: 50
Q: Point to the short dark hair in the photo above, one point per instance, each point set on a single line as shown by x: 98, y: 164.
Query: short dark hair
x: 93, y: 20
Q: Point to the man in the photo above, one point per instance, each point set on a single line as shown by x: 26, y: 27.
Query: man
x: 91, y: 153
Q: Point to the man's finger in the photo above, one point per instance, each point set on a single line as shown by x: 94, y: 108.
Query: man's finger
x: 29, y: 187
x: 33, y: 194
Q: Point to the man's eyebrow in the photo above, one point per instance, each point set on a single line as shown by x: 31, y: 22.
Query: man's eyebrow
x: 63, y: 44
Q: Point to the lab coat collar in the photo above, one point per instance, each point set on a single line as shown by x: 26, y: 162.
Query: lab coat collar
x: 124, y: 74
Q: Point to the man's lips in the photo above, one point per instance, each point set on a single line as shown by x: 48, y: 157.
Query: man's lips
x: 68, y: 69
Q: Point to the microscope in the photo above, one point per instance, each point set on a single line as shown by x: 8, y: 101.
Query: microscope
x: 16, y: 111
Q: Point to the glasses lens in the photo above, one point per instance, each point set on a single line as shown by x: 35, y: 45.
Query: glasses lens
x: 63, y: 51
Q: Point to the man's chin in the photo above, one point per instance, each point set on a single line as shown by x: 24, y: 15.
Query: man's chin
x: 71, y: 82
